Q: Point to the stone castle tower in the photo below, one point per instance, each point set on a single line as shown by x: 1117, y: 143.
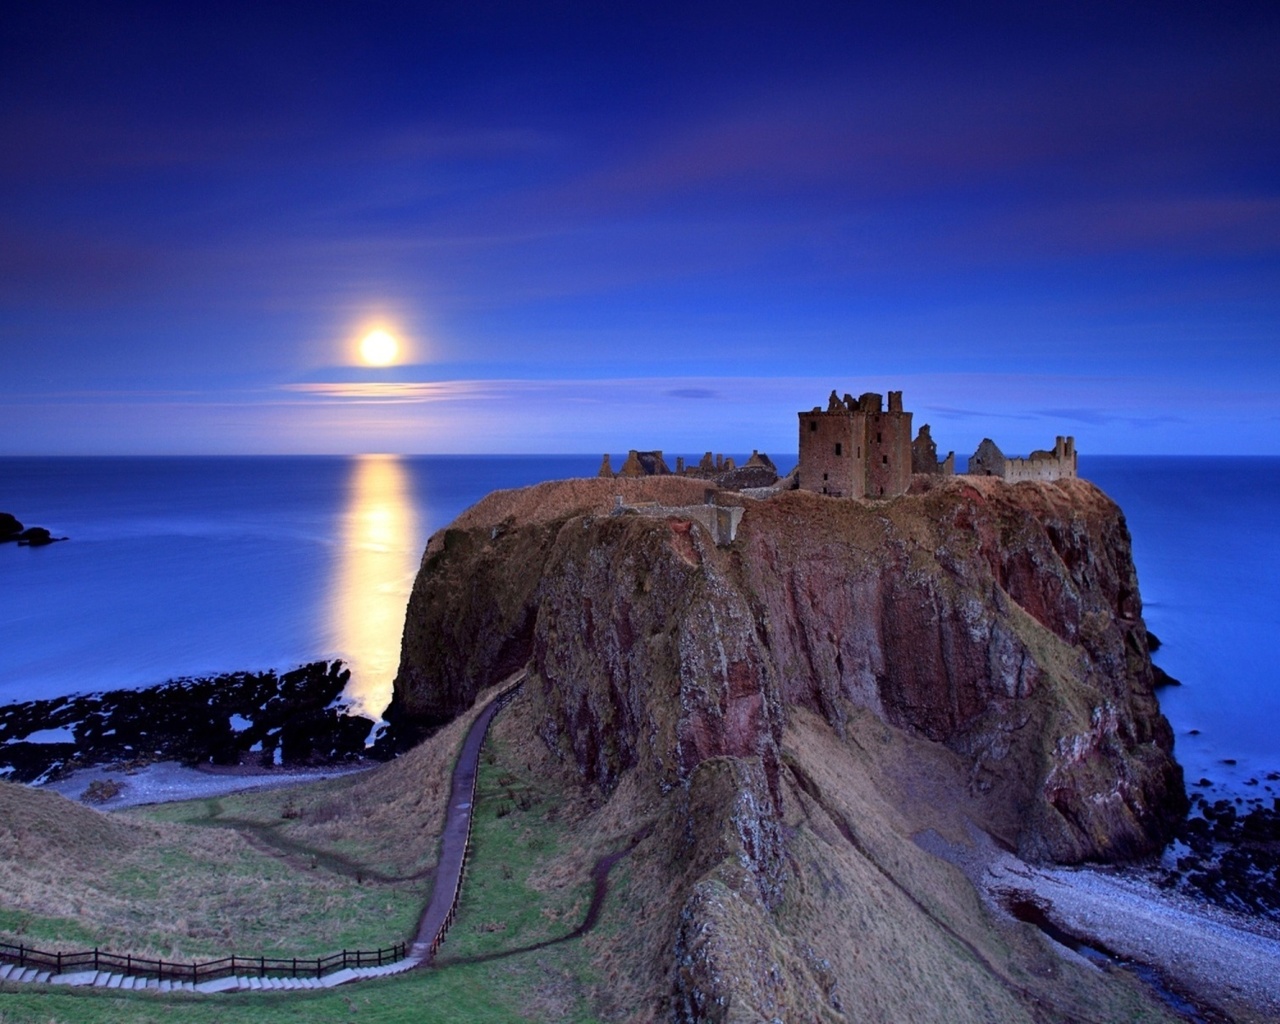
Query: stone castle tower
x: 856, y: 448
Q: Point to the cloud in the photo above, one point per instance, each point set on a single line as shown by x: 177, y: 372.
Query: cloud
x: 693, y: 393
x: 1103, y: 417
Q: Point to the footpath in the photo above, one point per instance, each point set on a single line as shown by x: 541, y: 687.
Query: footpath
x: 455, y: 844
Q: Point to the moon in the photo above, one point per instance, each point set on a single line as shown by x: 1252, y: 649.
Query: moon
x: 379, y: 348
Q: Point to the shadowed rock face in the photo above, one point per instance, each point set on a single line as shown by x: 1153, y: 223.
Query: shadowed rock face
x: 1002, y: 621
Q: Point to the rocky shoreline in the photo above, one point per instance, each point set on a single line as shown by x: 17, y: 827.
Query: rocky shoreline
x: 1207, y: 962
x: 258, y: 719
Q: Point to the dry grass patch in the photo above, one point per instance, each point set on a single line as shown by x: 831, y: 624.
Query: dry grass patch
x: 905, y: 932
x: 343, y: 863
x: 380, y: 824
x: 555, y: 499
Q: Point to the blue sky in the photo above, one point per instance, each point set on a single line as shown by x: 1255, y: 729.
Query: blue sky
x: 598, y: 227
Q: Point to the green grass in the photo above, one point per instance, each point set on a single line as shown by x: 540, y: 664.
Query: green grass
x: 525, y: 884
x: 464, y: 993
x: 500, y: 910
x: 31, y: 930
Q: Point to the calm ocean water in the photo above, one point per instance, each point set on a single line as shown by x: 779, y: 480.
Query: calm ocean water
x: 194, y: 566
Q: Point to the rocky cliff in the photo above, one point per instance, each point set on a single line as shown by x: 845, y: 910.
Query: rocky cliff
x: 974, y: 651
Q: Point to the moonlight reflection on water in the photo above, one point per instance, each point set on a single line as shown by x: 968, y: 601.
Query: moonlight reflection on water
x: 377, y: 558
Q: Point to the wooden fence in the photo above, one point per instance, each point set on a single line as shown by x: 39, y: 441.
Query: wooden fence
x: 208, y: 970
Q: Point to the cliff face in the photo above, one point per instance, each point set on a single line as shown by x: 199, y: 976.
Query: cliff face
x: 1003, y: 621
x: 995, y: 628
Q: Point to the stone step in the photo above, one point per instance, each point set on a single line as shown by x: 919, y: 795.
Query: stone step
x: 219, y: 985
x: 113, y: 980
x: 75, y: 978
x: 6, y: 970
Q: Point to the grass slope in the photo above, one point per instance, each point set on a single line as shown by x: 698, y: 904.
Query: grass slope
x: 527, y: 884
x: 883, y: 930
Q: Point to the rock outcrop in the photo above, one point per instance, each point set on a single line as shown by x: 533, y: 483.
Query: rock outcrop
x: 996, y: 629
x: 32, y: 536
x: 260, y: 718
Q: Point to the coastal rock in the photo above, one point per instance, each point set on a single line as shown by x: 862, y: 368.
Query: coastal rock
x: 37, y: 537
x: 32, y: 536
x: 1001, y: 621
x: 240, y: 718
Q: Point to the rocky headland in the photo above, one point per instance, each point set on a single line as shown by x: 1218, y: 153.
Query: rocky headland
x: 787, y: 714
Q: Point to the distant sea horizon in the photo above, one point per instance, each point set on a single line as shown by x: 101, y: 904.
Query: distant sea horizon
x: 199, y: 565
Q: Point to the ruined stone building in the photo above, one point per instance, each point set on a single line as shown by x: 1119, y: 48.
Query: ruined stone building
x: 856, y: 448
x: 758, y: 471
x: 924, y: 456
x: 1062, y: 462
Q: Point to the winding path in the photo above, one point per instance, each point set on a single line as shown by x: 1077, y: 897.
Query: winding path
x: 455, y: 840
x: 455, y: 844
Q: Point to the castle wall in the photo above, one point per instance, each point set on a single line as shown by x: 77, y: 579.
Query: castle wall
x: 1062, y: 462
x: 832, y: 453
x: 888, y: 462
x: 721, y: 521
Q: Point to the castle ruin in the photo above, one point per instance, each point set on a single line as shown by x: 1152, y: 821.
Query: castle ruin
x: 924, y: 456
x: 857, y: 449
x: 758, y: 471
x: 1062, y: 462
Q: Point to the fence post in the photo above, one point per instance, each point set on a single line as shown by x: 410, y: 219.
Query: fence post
x: 59, y: 961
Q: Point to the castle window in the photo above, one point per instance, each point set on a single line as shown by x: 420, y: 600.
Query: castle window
x: 879, y: 439
x: 839, y: 448
x: 884, y: 460
x: 824, y: 476
x: 859, y: 451
x: 813, y: 425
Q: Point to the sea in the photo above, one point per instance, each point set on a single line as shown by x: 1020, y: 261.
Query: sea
x: 182, y: 566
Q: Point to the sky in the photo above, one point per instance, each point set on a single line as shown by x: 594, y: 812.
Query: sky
x: 595, y: 227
